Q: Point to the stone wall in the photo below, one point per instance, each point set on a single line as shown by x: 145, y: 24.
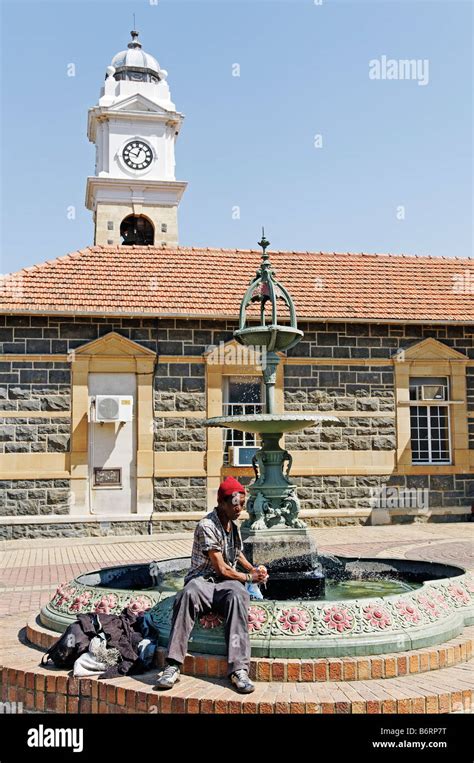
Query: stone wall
x: 91, y: 529
x: 375, y: 340
x: 362, y: 393
x: 34, y: 435
x: 180, y: 433
x: 33, y: 497
x: 180, y: 494
x: 34, y: 386
x: 402, y: 491
x: 357, y: 434
x: 44, y: 335
x: 179, y: 387
x: 342, y: 389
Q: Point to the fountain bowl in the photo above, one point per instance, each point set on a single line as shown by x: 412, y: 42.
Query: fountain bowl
x: 274, y: 337
x: 272, y: 423
x: 434, y: 612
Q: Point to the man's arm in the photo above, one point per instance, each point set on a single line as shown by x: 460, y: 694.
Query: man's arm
x: 245, y: 562
x: 247, y: 566
x: 228, y: 572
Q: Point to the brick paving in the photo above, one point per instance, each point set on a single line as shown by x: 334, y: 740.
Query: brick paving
x: 445, y: 690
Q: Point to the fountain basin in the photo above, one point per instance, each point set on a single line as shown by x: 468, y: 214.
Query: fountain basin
x: 272, y: 423
x: 414, y: 617
x: 274, y: 337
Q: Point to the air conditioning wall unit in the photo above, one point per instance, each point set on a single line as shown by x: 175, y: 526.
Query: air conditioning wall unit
x: 433, y: 392
x: 241, y: 455
x: 111, y: 408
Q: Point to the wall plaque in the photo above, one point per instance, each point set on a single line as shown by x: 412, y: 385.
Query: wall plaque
x: 107, y: 477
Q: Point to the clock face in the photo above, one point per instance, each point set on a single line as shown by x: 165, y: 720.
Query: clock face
x: 137, y: 155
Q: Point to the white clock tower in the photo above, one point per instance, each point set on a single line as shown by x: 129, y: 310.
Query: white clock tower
x: 134, y: 195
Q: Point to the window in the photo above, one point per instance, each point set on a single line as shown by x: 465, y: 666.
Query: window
x: 429, y: 420
x: 242, y: 395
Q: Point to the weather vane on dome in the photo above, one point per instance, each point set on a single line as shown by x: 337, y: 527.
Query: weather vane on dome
x: 135, y: 43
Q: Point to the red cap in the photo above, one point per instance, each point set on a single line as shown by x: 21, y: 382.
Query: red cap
x: 228, y: 487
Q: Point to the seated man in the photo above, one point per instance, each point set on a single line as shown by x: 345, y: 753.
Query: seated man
x: 213, y: 583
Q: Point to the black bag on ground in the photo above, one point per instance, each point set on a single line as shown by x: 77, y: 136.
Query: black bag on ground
x: 74, y: 642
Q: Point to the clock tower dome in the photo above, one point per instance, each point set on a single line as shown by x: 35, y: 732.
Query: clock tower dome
x: 134, y: 195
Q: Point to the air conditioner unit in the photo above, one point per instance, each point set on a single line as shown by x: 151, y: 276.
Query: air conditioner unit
x: 241, y: 455
x: 111, y: 408
x: 433, y: 392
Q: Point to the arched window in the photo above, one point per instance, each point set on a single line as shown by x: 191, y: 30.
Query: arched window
x: 137, y: 230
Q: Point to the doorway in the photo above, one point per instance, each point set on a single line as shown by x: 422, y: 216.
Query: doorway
x: 112, y: 452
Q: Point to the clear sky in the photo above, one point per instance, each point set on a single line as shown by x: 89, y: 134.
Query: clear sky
x: 394, y: 171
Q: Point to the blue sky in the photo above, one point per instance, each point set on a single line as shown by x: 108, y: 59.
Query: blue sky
x: 248, y: 141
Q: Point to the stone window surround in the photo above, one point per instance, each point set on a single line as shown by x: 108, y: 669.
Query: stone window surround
x: 432, y: 358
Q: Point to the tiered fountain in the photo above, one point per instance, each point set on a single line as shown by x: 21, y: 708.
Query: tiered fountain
x: 274, y: 533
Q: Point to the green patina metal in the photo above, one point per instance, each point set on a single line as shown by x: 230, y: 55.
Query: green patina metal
x: 273, y: 337
x: 436, y: 612
x: 273, y: 502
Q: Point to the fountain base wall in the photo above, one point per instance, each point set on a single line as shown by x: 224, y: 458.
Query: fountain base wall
x: 300, y: 628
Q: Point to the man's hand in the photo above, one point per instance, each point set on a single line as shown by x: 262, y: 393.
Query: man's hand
x: 224, y: 570
x: 259, y: 574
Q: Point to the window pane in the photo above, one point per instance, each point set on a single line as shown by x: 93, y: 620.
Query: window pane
x: 243, y: 397
x: 429, y: 434
x: 245, y: 390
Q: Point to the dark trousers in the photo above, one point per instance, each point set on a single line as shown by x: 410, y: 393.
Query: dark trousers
x: 229, y: 599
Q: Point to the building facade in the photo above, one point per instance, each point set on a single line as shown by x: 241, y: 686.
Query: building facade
x: 138, y: 322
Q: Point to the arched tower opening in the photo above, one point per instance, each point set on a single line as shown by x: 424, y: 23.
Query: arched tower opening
x: 136, y: 229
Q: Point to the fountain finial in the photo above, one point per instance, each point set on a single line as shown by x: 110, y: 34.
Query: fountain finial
x: 265, y: 289
x: 264, y: 244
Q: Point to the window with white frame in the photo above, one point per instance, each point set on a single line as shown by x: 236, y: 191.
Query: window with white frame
x: 429, y: 420
x: 242, y: 395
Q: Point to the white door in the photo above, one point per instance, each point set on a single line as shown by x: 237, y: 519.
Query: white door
x: 112, y: 451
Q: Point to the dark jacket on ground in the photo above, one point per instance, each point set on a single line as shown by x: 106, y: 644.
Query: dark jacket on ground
x: 123, y: 632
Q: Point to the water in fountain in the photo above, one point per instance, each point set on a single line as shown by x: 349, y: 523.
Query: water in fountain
x: 352, y: 581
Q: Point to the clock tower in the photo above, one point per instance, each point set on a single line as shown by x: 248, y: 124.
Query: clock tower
x: 134, y: 195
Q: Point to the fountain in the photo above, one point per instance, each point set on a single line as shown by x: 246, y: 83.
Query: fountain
x: 369, y: 606
x: 274, y: 534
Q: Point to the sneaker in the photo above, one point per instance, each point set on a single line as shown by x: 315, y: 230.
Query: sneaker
x: 168, y: 678
x: 242, y: 682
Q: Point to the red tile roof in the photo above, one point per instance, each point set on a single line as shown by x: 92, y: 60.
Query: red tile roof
x: 152, y: 281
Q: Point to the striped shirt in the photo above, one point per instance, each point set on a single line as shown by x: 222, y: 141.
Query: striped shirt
x: 210, y: 535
